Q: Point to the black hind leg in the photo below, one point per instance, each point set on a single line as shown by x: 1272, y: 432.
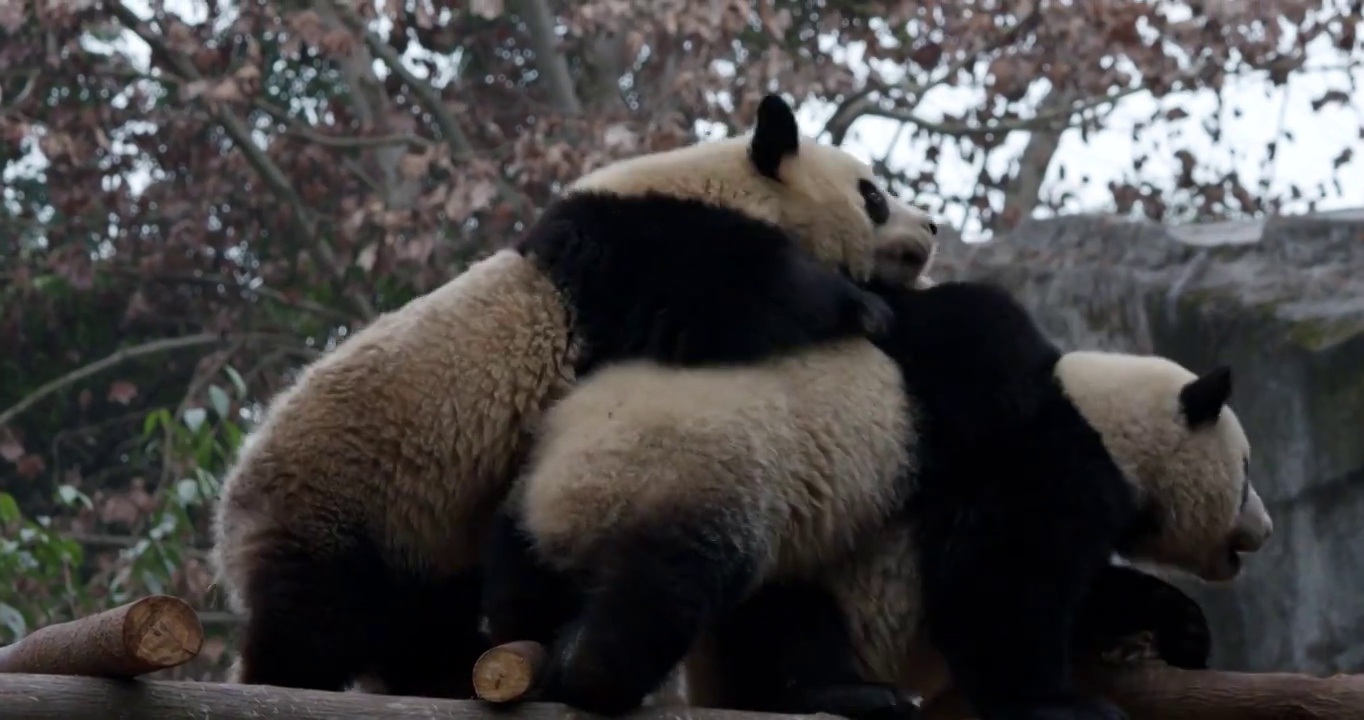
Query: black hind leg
x: 523, y: 598
x: 1123, y: 601
x: 788, y: 649
x: 432, y: 639
x: 1003, y: 582
x: 657, y: 590
x: 310, y: 620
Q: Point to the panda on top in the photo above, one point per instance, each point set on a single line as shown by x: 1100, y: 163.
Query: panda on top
x: 959, y: 483
x: 348, y: 529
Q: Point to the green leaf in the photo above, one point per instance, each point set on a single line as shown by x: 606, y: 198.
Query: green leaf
x: 221, y: 403
x: 237, y: 382
x: 160, y: 417
x: 13, y: 620
x: 194, y: 418
x: 9, y: 509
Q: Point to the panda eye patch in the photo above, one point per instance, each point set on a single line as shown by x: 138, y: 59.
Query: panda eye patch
x: 877, y: 208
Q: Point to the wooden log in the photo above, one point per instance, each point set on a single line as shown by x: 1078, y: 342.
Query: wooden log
x: 1155, y: 691
x: 149, y: 634
x: 49, y: 697
x: 507, y: 673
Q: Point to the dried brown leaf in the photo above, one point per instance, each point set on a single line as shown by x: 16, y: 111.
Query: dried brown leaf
x: 10, y: 447
x: 121, y: 392
x: 30, y: 466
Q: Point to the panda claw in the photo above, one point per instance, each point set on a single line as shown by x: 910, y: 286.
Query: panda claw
x: 876, y: 316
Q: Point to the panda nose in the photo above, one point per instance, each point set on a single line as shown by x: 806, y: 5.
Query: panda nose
x: 1248, y: 541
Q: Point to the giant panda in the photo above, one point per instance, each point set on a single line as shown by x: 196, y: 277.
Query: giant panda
x: 671, y: 495
x: 848, y: 644
x: 348, y: 527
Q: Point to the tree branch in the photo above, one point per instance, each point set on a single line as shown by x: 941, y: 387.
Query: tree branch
x: 1025, y: 187
x: 1154, y: 691
x: 1027, y: 23
x: 53, y: 697
x: 260, y: 162
x: 540, y: 22
x: 431, y: 99
x: 115, y: 358
x: 1053, y: 120
x: 356, y: 143
x: 863, y: 102
x: 263, y: 291
x: 145, y: 635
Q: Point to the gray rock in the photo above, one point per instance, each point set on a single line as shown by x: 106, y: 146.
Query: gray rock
x: 1280, y: 300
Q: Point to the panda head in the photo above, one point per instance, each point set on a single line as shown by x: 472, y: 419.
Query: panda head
x: 823, y: 196
x: 1176, y: 439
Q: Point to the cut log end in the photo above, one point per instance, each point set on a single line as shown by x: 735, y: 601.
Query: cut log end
x: 508, y: 672
x: 162, y: 631
x: 148, y: 634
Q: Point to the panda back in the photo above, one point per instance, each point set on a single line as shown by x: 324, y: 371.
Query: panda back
x: 795, y: 455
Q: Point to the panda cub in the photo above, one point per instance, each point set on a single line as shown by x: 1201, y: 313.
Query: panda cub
x: 1010, y: 470
x: 349, y: 526
x: 855, y: 649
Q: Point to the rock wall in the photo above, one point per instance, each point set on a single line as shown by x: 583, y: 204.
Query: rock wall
x: 1282, y: 302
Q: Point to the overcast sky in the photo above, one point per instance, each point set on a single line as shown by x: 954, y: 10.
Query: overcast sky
x: 1317, y: 138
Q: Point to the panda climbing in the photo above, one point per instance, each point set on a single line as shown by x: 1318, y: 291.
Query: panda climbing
x: 658, y: 500
x: 349, y: 526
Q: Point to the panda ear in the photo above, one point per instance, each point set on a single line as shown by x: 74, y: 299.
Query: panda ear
x: 1202, y: 399
x: 775, y: 135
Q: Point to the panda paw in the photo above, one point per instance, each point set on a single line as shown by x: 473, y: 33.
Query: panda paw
x: 1073, y: 709
x: 856, y: 701
x: 875, y: 316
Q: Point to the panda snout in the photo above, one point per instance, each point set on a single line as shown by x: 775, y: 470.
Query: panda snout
x: 1244, y: 540
x: 901, y: 263
x: 910, y: 255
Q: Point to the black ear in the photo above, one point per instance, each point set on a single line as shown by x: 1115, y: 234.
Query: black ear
x: 1202, y: 399
x: 774, y: 137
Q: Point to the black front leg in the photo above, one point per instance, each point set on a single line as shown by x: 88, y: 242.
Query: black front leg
x: 1005, y: 572
x: 654, y: 593
x: 1124, y: 601
x: 523, y: 598
x: 795, y: 303
x: 788, y: 649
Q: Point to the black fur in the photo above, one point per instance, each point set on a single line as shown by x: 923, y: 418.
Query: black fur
x: 686, y: 282
x: 656, y: 590
x: 1018, y: 506
x: 788, y: 648
x: 333, y: 618
x: 523, y: 598
x: 1202, y: 399
x: 1124, y: 601
x: 775, y: 136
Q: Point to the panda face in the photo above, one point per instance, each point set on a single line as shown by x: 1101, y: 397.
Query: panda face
x: 1184, y: 449
x: 825, y: 197
x: 830, y: 194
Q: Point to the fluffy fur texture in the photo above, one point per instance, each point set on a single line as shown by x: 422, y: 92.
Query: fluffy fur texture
x: 709, y: 481
x: 860, y: 624
x: 1035, y: 467
x: 348, y: 531
x: 1023, y: 469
